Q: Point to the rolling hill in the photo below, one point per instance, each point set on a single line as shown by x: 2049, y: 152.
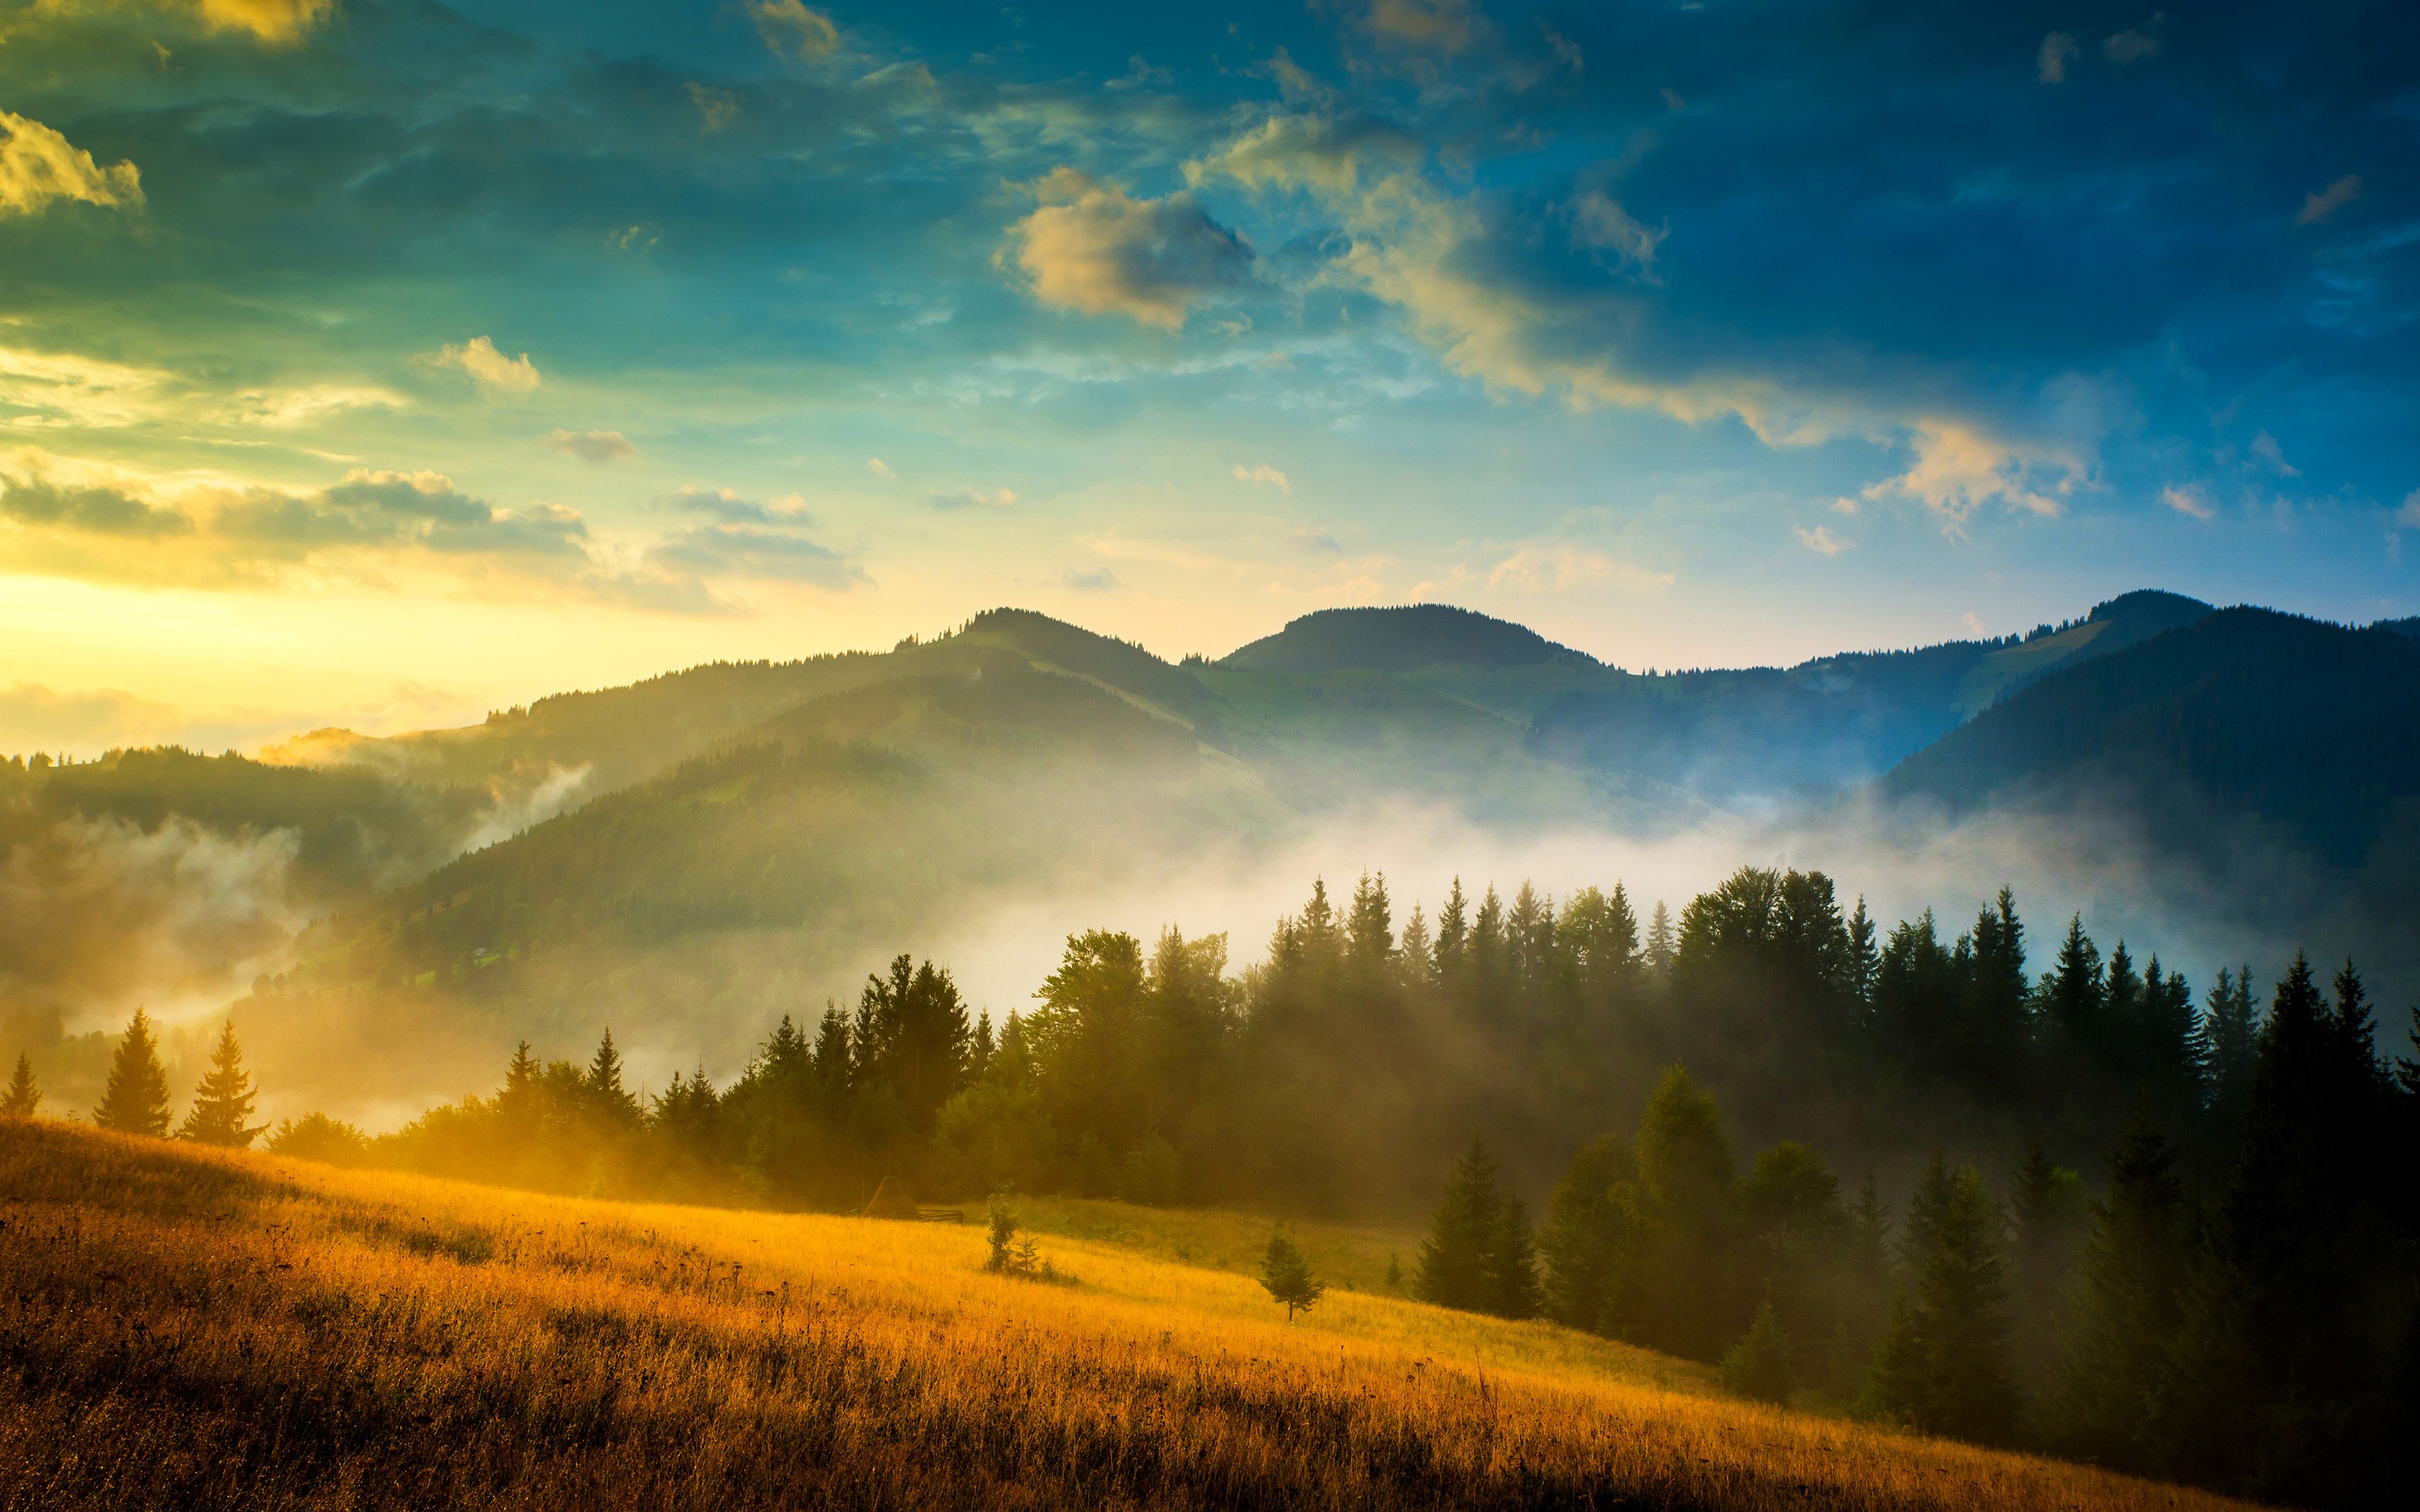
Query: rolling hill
x: 182, y: 1327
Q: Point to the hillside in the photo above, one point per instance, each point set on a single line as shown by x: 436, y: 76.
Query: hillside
x: 1832, y: 721
x: 185, y: 1328
x: 2246, y: 719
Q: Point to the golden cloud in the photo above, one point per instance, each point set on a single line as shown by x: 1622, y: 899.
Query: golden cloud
x: 39, y: 167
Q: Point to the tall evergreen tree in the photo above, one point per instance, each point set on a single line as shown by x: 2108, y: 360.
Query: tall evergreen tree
x: 2048, y: 1206
x: 1587, y: 1234
x: 1943, y: 1365
x: 2127, y: 1308
x: 1683, y: 1293
x: 1453, y: 1263
x: 221, y: 1110
x: 1511, y: 1265
x: 2230, y: 1033
x: 1285, y: 1276
x: 604, y: 1082
x: 25, y: 1093
x: 136, y: 1098
x: 1660, y: 942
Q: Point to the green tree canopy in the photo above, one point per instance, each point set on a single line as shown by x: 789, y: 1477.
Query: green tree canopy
x: 136, y: 1098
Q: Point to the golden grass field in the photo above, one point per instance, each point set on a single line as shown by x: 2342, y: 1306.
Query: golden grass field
x: 188, y: 1328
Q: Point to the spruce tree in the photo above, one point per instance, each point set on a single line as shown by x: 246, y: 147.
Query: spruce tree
x: 25, y: 1094
x: 1943, y: 1364
x: 1512, y: 1264
x: 2127, y: 1308
x: 1660, y: 946
x: 604, y: 1082
x: 2047, y: 1203
x: 1683, y: 1294
x: 1286, y: 1276
x: 136, y: 1098
x: 221, y: 1110
x: 2230, y: 1033
x: 1759, y: 1364
x: 1586, y: 1235
x: 1453, y: 1263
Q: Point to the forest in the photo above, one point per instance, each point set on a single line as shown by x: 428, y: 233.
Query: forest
x: 2093, y: 1212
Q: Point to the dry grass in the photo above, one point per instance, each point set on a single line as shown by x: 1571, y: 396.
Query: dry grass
x: 183, y: 1328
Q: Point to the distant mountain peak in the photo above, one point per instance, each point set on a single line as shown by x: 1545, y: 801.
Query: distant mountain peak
x: 1400, y: 640
x: 2150, y: 603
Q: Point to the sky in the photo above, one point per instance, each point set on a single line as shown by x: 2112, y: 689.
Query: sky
x: 377, y: 362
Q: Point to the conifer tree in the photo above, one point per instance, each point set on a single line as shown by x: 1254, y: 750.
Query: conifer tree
x: 1586, y: 1233
x: 25, y: 1094
x: 1659, y: 942
x: 135, y: 1101
x: 2047, y: 1203
x: 604, y: 1082
x: 1943, y: 1364
x: 1682, y: 1294
x: 1759, y: 1364
x: 1454, y: 1261
x: 221, y: 1110
x: 2230, y: 1031
x: 2126, y: 1308
x: 1511, y: 1263
x: 1286, y: 1276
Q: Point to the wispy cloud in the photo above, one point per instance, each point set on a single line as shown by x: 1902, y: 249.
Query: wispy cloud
x: 972, y: 499
x: 592, y: 445
x: 1821, y: 541
x: 39, y: 167
x: 2326, y: 201
x: 1559, y: 568
x: 487, y: 368
x: 790, y: 30
x: 2188, y: 498
x: 2058, y: 51
x: 1091, y: 247
x: 1092, y: 581
x: 1262, y: 473
x: 880, y: 469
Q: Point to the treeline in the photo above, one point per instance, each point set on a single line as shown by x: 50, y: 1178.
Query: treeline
x: 2235, y: 1305
x: 2259, y: 1333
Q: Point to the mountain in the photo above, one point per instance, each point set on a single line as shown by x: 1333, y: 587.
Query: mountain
x: 2243, y: 718
x: 1761, y: 732
x: 1400, y: 640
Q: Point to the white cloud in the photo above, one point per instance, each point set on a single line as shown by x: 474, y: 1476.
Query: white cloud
x: 2188, y: 498
x: 487, y: 367
x: 286, y: 408
x: 1262, y: 473
x: 39, y: 167
x: 1097, y: 580
x: 2409, y: 516
x: 46, y: 389
x: 1559, y: 568
x: 2325, y: 203
x: 1443, y: 28
x: 277, y: 22
x: 1960, y: 467
x: 2265, y: 447
x: 1089, y: 247
x: 2057, y: 50
x: 2131, y: 47
x: 592, y: 445
x: 1599, y: 223
x: 972, y: 499
x: 1821, y: 541
x: 716, y: 108
x: 791, y: 30
x: 880, y: 469
x: 1845, y: 505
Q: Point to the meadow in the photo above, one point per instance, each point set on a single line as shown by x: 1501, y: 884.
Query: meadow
x: 185, y: 1327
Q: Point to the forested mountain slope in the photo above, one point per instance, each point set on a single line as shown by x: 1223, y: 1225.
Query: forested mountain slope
x: 2248, y: 716
x: 1765, y: 732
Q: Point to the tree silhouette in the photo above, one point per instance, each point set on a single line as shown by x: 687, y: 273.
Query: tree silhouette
x: 25, y: 1094
x: 137, y: 1098
x: 1286, y: 1276
x: 221, y: 1110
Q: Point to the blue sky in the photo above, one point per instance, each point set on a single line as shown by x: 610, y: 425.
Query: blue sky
x: 379, y: 362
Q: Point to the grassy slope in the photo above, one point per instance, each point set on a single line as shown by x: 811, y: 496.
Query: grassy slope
x: 181, y: 1327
